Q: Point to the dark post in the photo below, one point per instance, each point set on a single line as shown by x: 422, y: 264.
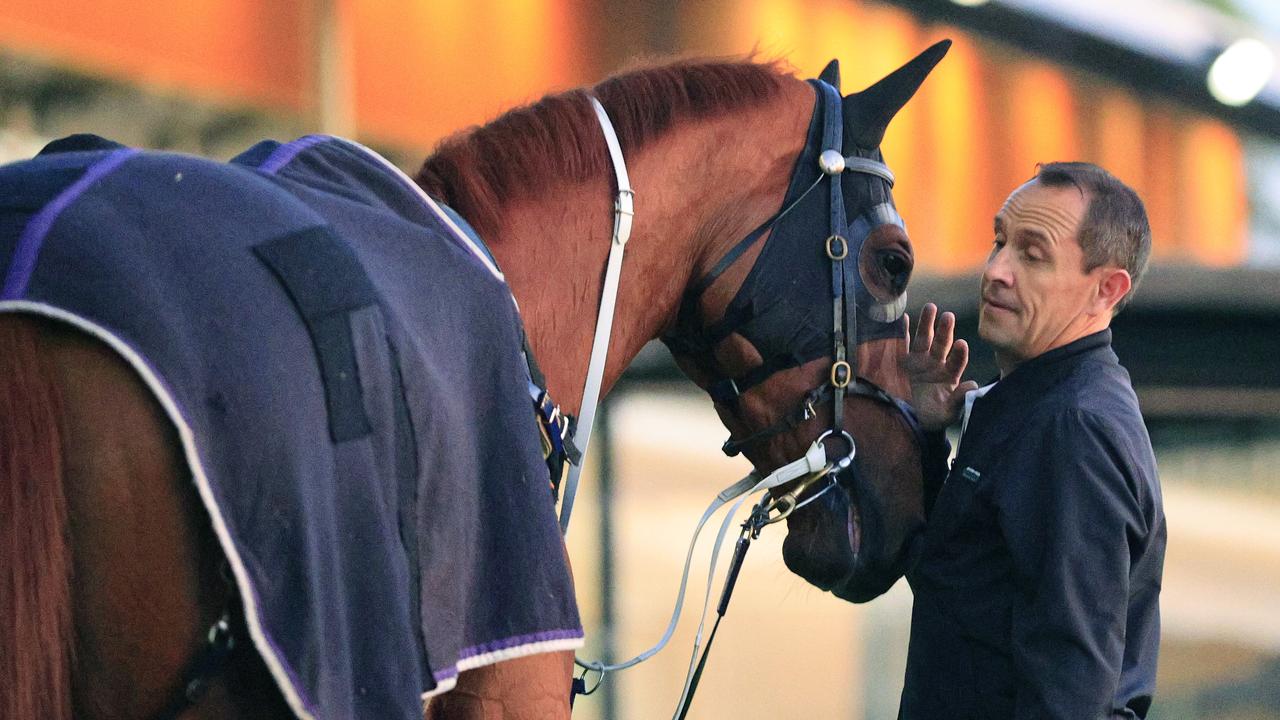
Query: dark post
x: 604, y: 427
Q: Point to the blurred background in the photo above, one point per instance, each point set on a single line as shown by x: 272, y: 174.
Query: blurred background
x: 1180, y: 98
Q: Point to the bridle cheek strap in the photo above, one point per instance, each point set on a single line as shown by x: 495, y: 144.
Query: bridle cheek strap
x: 623, y: 213
x: 844, y: 330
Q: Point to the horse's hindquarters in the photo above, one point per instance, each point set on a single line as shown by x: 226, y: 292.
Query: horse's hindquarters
x: 144, y: 562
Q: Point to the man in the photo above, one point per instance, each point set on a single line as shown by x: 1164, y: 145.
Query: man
x: 1038, y: 576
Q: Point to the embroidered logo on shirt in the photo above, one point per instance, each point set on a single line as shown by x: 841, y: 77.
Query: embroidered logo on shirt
x: 971, y: 475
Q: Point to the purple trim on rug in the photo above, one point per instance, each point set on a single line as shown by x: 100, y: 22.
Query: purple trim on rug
x: 285, y: 154
x: 33, y: 235
x: 505, y: 644
x: 445, y: 674
x: 518, y: 640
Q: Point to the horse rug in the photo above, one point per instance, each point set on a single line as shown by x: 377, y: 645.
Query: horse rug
x: 345, y: 369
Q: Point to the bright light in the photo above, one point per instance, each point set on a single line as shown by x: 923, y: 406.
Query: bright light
x: 971, y: 3
x: 1241, y: 71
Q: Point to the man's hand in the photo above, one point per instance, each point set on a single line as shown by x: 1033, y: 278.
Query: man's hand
x: 934, y: 364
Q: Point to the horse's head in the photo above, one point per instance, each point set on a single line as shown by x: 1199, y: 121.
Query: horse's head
x: 808, y: 344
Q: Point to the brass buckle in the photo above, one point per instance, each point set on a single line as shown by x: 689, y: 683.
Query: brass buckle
x: 841, y: 374
x: 547, y: 446
x: 776, y: 509
x: 844, y: 248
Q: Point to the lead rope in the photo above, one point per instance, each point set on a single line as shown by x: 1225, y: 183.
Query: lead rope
x: 623, y: 213
x: 807, y: 469
x: 766, y: 512
x: 750, y: 530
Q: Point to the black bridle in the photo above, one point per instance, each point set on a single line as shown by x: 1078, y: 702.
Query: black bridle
x: 795, y: 339
x: 749, y: 316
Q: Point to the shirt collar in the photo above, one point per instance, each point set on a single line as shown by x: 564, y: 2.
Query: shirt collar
x: 1057, y: 356
x: 969, y: 399
x: 1034, y: 377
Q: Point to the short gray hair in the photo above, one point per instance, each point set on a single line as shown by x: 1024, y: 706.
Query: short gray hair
x: 1115, y: 230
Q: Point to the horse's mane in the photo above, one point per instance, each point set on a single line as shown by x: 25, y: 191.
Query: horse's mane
x: 558, y: 139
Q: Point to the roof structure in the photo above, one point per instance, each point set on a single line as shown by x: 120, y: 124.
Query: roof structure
x: 1155, y: 47
x: 1152, y: 46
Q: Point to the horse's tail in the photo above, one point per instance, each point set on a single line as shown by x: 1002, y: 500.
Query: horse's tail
x: 35, y: 551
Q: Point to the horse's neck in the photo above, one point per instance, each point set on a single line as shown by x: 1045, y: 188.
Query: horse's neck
x: 698, y: 189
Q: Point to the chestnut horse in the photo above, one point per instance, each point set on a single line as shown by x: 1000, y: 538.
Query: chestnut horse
x: 110, y: 572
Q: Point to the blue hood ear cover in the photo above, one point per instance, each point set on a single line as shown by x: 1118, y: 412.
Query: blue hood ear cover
x: 784, y: 306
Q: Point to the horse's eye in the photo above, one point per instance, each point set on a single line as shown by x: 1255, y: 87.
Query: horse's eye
x: 893, y: 263
x: 897, y: 270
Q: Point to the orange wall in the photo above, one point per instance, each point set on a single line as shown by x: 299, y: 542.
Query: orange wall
x: 425, y: 69
x: 419, y: 70
x: 252, y: 52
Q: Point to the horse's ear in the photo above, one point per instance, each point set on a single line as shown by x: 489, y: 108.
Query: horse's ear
x: 831, y: 74
x: 867, y: 113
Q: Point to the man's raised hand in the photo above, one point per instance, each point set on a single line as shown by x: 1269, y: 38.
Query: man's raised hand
x: 935, y: 361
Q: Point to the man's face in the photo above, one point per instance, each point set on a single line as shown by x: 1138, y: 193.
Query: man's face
x: 1035, y: 293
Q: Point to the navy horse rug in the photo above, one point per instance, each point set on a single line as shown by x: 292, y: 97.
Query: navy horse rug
x: 344, y: 368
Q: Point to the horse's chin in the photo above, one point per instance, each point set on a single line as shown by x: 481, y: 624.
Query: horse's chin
x: 824, y: 540
x: 832, y: 544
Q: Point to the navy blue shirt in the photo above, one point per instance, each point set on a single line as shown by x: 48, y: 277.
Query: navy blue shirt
x: 1038, y: 578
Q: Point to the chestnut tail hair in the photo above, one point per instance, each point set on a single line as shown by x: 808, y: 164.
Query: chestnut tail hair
x: 35, y: 551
